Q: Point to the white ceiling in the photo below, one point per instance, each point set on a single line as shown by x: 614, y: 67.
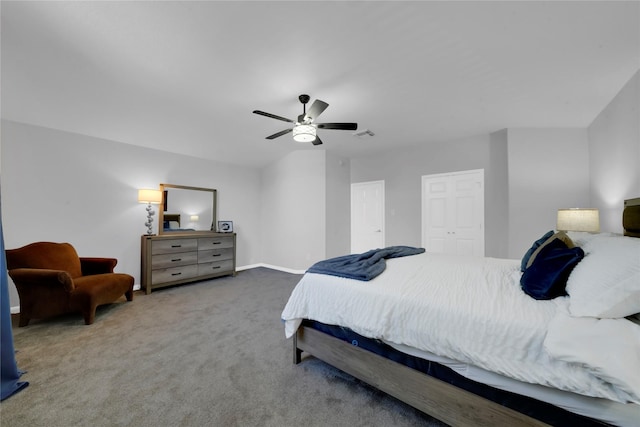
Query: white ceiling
x: 185, y: 76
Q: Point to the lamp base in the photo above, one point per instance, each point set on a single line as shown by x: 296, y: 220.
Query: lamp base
x: 149, y: 223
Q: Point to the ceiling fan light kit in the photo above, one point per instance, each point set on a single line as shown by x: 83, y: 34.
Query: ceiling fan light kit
x: 304, y: 130
x: 304, y: 133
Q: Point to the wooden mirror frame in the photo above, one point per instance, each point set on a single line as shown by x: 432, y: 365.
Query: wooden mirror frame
x: 165, y: 188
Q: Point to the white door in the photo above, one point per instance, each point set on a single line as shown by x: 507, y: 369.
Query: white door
x: 367, y: 216
x: 453, y: 213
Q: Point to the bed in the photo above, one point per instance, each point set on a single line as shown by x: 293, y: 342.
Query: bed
x: 463, y: 340
x: 171, y: 223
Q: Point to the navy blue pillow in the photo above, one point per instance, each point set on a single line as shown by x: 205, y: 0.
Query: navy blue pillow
x: 532, y: 249
x: 546, y: 277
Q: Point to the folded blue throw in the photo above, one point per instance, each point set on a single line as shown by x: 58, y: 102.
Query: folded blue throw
x: 364, y: 266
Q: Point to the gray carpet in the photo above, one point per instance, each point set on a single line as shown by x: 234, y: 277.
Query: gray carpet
x: 206, y: 354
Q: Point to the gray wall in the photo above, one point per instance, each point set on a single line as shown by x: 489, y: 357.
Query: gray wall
x: 293, y: 216
x: 305, y: 209
x: 614, y: 155
x: 496, y: 219
x: 60, y: 186
x: 529, y: 175
x: 548, y: 170
x: 338, y: 206
x: 402, y: 172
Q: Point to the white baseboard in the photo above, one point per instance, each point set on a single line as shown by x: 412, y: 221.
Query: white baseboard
x: 273, y: 267
x: 137, y: 286
x: 249, y: 267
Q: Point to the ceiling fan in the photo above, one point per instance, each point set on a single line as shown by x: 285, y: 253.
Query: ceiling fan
x: 304, y: 128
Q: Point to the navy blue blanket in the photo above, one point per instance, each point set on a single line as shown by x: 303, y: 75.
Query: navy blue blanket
x: 364, y: 266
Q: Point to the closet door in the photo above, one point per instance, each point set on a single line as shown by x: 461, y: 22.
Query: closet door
x: 453, y: 213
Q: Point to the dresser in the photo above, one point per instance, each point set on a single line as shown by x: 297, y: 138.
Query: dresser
x: 168, y: 260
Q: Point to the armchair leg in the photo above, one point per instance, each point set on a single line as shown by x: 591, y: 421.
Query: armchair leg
x: 25, y: 313
x: 89, y: 316
x: 24, y: 320
x: 129, y: 295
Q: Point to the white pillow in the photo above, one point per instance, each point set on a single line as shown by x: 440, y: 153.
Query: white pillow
x: 581, y: 238
x: 606, y: 283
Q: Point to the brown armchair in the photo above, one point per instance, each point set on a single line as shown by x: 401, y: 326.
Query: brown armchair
x: 52, y: 279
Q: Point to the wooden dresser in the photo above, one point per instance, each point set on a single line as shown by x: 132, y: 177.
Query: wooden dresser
x: 169, y: 260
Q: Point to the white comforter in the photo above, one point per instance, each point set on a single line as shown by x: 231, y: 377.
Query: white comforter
x: 469, y: 309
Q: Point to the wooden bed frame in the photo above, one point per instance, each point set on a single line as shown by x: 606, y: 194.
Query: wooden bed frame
x: 439, y: 399
x: 432, y: 396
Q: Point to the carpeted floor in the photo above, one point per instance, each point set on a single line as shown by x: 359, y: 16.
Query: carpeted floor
x: 206, y: 354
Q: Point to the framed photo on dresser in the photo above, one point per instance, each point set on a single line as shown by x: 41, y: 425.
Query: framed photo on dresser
x: 225, y: 226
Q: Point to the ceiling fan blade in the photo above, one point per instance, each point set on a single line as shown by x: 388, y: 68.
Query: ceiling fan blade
x: 316, y: 109
x: 273, y: 116
x: 317, y: 141
x: 282, y: 132
x: 340, y: 126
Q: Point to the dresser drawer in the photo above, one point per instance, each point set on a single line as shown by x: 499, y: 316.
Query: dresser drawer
x: 218, y: 242
x: 175, y: 273
x: 215, y: 255
x: 215, y: 267
x: 173, y: 245
x: 173, y: 260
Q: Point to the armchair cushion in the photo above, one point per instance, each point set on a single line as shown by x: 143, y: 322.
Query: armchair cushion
x: 97, y: 265
x: 51, y: 279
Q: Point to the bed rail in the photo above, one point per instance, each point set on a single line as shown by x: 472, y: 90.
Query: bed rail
x: 432, y: 396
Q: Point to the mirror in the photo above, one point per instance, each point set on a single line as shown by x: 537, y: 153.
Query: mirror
x: 187, y: 209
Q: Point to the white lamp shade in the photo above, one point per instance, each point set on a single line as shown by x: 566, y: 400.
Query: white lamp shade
x: 304, y: 133
x: 150, y: 196
x: 578, y: 220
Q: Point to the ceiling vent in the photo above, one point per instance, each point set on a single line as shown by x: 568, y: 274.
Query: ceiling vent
x: 364, y: 133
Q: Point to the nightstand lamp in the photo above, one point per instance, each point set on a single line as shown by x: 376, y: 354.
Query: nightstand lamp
x: 150, y: 197
x: 578, y: 219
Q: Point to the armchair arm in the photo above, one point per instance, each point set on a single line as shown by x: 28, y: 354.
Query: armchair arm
x: 92, y: 266
x: 30, y: 277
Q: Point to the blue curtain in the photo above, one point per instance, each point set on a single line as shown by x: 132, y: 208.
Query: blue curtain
x: 8, y: 366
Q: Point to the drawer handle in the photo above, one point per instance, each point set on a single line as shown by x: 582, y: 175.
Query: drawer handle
x: 216, y: 243
x: 176, y: 274
x: 176, y: 246
x: 216, y: 267
x: 176, y: 259
x: 216, y: 255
